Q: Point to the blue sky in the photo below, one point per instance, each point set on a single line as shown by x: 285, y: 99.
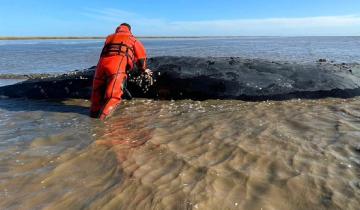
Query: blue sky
x: 180, y: 17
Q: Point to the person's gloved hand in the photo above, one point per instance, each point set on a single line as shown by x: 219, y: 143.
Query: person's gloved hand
x: 148, y: 72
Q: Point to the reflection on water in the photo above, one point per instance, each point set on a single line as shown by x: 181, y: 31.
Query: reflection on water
x: 300, y: 154
x: 58, y: 56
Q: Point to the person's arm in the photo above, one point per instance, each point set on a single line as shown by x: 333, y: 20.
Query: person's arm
x: 141, y: 57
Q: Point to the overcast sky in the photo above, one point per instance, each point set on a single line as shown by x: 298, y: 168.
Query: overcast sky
x: 180, y: 17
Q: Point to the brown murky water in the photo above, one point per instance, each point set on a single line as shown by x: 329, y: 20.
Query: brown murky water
x: 299, y: 154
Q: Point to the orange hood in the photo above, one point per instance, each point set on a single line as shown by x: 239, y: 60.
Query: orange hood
x: 122, y: 29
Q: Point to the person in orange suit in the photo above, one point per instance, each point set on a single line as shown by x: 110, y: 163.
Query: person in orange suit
x: 120, y: 53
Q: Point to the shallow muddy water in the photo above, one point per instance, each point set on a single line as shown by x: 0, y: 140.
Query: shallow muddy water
x: 58, y: 56
x: 299, y: 154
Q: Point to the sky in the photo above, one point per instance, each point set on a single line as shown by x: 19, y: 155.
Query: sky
x: 181, y: 17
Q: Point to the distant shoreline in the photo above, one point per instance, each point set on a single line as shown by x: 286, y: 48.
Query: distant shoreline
x: 47, y: 38
x: 100, y: 37
x: 141, y: 37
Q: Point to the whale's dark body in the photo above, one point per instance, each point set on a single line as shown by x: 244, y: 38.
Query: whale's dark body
x: 210, y: 78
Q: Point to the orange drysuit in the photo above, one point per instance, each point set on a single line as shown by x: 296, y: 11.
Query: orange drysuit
x: 119, y: 55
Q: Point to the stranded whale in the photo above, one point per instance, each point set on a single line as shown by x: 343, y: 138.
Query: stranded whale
x: 208, y: 78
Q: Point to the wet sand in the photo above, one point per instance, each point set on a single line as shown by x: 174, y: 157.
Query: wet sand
x: 298, y: 154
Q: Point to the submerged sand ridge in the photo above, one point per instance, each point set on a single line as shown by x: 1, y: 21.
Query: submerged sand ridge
x: 297, y: 154
x: 209, y: 78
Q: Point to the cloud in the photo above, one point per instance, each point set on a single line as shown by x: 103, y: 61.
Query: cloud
x: 112, y: 15
x: 329, y: 21
x: 118, y: 16
x: 327, y: 25
x: 323, y: 25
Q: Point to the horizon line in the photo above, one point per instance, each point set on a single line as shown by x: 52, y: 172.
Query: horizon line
x: 4, y: 38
